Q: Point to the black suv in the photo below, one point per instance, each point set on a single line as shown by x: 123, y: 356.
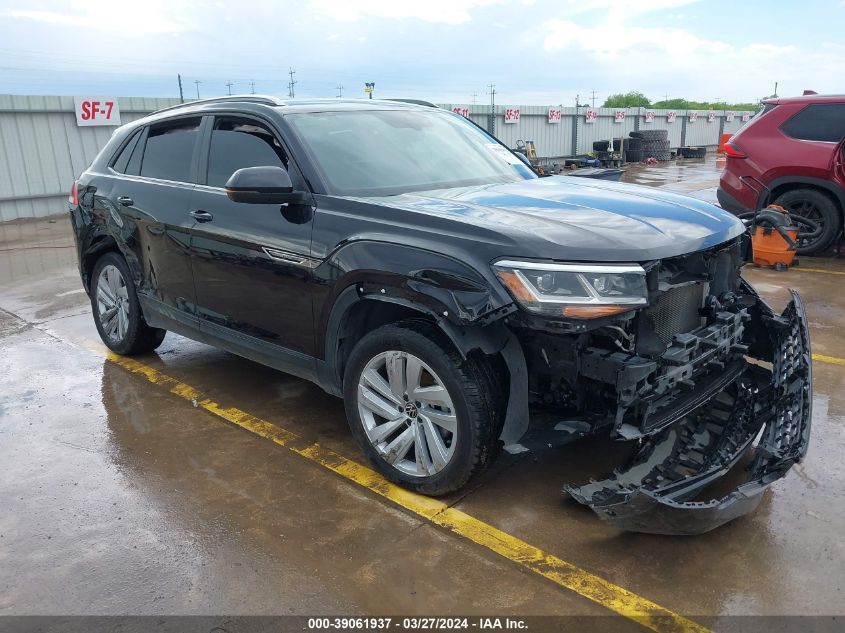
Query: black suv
x: 400, y: 257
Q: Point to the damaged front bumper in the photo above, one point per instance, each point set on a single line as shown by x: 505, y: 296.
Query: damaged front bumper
x: 656, y: 492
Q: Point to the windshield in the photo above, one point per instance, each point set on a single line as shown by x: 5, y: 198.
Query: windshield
x: 388, y: 152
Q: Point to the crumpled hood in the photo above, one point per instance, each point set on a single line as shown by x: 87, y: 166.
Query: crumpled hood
x: 580, y: 219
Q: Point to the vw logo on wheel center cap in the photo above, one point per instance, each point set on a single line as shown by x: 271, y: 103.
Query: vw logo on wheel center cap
x: 411, y: 409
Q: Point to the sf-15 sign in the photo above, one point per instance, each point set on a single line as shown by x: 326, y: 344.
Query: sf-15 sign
x: 96, y: 111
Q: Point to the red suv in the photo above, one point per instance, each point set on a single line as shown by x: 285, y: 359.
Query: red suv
x: 791, y: 154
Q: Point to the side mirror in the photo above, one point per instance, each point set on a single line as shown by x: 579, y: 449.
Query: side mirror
x: 262, y: 185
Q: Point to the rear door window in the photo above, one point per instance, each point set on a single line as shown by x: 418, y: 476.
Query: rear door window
x: 169, y: 151
x: 237, y: 143
x: 121, y: 163
x: 818, y: 122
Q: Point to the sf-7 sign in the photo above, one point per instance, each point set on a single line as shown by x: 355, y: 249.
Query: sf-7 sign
x: 96, y: 111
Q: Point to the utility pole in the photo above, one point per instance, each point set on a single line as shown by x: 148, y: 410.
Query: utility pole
x: 198, y: 82
x: 577, y: 100
x: 292, y: 83
x: 491, y: 122
x: 181, y: 96
x: 252, y: 87
x: 776, y: 89
x: 339, y: 91
x: 666, y: 99
x: 474, y: 95
x: 229, y: 86
x: 594, y: 98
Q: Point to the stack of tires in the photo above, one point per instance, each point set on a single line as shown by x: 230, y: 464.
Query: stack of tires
x: 648, y: 144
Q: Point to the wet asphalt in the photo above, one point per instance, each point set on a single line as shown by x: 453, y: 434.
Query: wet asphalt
x: 117, y: 497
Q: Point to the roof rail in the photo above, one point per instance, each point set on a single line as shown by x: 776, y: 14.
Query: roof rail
x: 263, y: 99
x: 415, y: 102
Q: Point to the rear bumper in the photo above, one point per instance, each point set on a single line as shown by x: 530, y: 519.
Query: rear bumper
x: 729, y: 203
x: 655, y: 492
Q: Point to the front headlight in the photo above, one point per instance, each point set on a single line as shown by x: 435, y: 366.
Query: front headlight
x: 577, y: 291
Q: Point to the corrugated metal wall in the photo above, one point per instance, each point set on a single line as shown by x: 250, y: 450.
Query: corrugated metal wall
x: 554, y: 140
x: 42, y: 150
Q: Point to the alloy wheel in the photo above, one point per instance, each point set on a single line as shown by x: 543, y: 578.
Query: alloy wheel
x: 407, y: 413
x: 113, y: 303
x: 810, y: 211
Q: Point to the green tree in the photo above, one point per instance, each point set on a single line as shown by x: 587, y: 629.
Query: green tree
x: 627, y: 100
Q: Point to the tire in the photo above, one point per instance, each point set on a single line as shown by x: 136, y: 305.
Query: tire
x: 655, y: 146
x: 600, y: 146
x: 633, y: 156
x: 817, y: 207
x: 125, y: 332
x: 633, y: 143
x: 650, y: 135
x: 470, y: 386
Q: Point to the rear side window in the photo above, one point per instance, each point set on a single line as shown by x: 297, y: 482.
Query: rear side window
x: 170, y: 149
x: 238, y: 143
x: 818, y: 122
x: 121, y: 163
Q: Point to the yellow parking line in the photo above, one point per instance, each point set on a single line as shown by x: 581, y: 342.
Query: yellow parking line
x: 829, y: 359
x: 801, y: 269
x: 565, y: 574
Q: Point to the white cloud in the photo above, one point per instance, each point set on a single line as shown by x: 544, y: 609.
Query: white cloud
x: 445, y: 11
x: 133, y: 19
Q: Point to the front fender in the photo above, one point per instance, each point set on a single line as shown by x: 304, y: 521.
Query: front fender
x: 434, y: 283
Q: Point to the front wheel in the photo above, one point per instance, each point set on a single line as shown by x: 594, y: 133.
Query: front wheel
x: 427, y: 419
x: 117, y: 312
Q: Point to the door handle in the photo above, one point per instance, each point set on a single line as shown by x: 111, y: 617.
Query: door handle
x: 126, y: 201
x: 201, y: 216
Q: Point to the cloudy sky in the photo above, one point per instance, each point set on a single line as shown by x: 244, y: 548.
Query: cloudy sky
x: 534, y: 51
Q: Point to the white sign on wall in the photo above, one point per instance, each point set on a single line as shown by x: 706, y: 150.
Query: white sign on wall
x: 511, y: 115
x: 464, y: 112
x: 745, y: 116
x: 671, y: 116
x: 591, y: 116
x: 649, y: 116
x: 619, y: 116
x: 711, y: 116
x: 554, y: 115
x: 693, y: 117
x: 729, y: 116
x: 96, y: 111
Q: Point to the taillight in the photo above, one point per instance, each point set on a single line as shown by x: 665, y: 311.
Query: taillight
x: 733, y: 151
x: 73, y: 198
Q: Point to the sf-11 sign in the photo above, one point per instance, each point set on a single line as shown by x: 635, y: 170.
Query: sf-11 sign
x: 464, y: 112
x: 96, y: 111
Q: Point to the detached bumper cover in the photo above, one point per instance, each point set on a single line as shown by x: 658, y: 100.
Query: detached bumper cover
x: 654, y: 492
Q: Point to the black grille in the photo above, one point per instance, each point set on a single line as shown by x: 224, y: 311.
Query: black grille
x: 676, y: 311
